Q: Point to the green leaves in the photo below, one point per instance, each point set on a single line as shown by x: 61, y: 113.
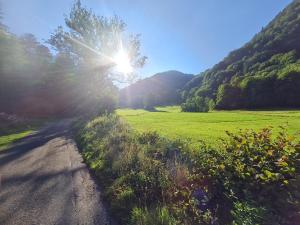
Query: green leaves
x: 248, y: 178
x: 264, y: 73
x: 197, y: 104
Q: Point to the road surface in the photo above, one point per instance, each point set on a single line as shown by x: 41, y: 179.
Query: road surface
x: 43, y: 181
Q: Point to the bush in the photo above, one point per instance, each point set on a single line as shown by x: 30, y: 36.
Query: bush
x: 197, y: 104
x: 159, y: 216
x: 254, y: 171
x: 264, y: 170
x: 253, y: 178
x: 246, y: 214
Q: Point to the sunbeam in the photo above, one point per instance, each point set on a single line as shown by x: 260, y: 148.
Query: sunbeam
x: 123, y: 62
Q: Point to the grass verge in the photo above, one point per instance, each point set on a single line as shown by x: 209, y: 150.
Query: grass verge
x: 12, y: 130
x: 7, y: 140
x: 252, y: 178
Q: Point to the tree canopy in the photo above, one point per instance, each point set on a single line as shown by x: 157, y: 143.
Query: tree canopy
x: 78, y: 77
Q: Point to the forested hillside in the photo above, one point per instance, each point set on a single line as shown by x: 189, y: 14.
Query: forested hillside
x: 160, y: 89
x: 264, y: 73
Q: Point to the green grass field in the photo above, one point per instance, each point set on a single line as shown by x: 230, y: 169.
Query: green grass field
x: 209, y: 127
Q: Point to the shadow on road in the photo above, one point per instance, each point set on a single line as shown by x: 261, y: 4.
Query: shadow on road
x: 44, y: 181
x: 28, y: 143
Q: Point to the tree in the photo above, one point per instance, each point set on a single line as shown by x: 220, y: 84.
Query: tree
x: 93, y: 42
x: 197, y: 104
x: 149, y: 101
x: 228, y: 97
x: 250, y: 73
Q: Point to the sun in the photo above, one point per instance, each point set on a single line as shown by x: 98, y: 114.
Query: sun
x: 122, y: 62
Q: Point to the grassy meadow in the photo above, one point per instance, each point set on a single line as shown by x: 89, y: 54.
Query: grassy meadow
x: 209, y: 127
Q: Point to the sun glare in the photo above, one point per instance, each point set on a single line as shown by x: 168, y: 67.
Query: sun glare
x: 122, y: 62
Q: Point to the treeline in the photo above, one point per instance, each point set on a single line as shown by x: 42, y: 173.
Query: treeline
x: 35, y: 82
x: 159, y: 89
x: 265, y: 73
x: 73, y: 78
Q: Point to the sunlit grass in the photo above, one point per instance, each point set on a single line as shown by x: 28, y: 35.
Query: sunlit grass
x: 209, y: 127
x: 7, y: 140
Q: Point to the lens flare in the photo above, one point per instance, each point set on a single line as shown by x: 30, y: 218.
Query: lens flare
x: 122, y: 62
x: 121, y: 59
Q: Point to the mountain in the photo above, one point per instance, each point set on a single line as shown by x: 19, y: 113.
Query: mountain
x: 264, y: 73
x: 159, y: 89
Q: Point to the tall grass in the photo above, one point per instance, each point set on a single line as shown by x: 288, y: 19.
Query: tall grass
x: 149, y: 179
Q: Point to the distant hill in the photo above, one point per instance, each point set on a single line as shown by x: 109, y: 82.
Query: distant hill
x: 264, y: 73
x: 159, y: 89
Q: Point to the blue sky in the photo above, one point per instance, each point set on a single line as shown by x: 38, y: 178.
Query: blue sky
x: 186, y: 35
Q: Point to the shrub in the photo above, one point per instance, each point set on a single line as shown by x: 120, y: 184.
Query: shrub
x: 246, y: 214
x: 253, y: 171
x: 197, y: 104
x: 264, y: 170
x: 158, y: 216
x: 252, y: 178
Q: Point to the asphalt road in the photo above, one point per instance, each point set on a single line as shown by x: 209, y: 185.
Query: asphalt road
x: 43, y: 181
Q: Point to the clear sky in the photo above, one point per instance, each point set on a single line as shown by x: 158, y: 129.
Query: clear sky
x: 186, y: 35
